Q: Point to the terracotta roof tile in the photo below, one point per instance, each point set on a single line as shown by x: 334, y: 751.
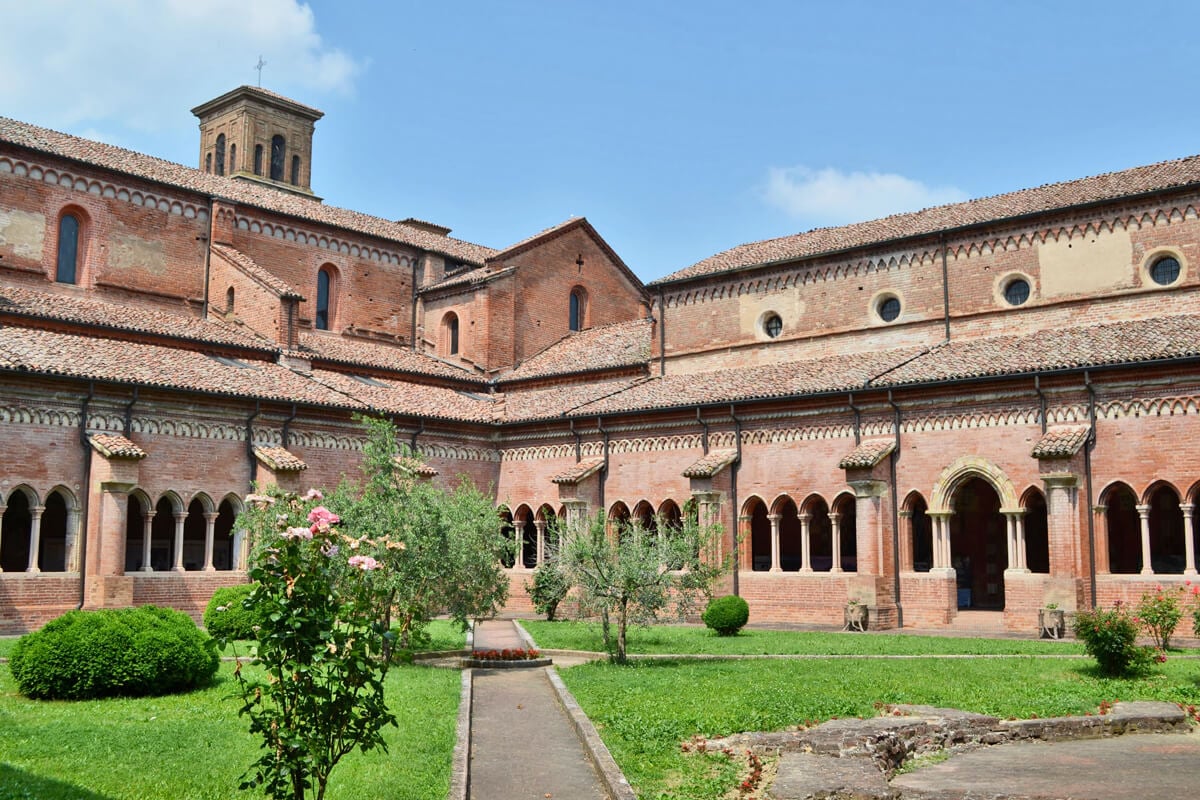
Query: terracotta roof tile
x: 622, y: 344
x: 279, y: 459
x: 400, y: 397
x: 65, y: 307
x: 1109, y: 186
x: 711, y: 465
x: 361, y: 352
x: 1061, y: 442
x: 868, y: 454
x: 250, y: 193
x: 579, y: 471
x: 49, y: 353
x: 414, y: 466
x: 832, y: 374
x: 1060, y: 348
x: 546, y: 402
x: 547, y: 233
x: 112, y: 445
x: 249, y: 267
x: 470, y: 277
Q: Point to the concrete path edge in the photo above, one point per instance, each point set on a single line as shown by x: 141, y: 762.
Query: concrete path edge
x: 460, y: 764
x: 614, y: 780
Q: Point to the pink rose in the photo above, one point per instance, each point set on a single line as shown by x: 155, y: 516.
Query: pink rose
x: 365, y: 563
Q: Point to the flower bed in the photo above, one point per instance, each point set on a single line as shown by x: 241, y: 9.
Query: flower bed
x: 506, y: 658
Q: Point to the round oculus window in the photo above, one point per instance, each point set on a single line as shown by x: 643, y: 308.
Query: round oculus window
x: 888, y: 309
x: 772, y: 325
x: 1016, y: 292
x: 1165, y: 270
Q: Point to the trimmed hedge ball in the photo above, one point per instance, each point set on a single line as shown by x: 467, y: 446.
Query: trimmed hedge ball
x: 726, y: 615
x: 226, y: 617
x: 128, y: 652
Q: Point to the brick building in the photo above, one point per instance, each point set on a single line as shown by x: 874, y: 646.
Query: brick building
x: 977, y: 407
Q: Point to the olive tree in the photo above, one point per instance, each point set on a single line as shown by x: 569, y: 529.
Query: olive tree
x: 623, y: 571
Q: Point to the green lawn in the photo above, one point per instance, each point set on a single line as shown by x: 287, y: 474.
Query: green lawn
x: 690, y: 639
x: 195, y: 746
x: 645, y: 710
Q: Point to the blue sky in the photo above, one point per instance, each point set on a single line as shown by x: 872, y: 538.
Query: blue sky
x: 679, y: 129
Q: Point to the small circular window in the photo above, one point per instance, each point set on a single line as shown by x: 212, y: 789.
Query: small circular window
x: 1016, y: 292
x: 888, y: 309
x: 1165, y: 270
x: 772, y: 325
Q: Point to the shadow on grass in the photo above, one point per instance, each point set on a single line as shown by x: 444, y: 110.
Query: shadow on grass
x: 17, y: 784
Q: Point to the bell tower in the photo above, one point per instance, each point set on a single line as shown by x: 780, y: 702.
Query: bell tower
x: 257, y: 135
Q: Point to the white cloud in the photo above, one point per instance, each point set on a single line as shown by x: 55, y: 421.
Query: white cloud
x: 140, y: 64
x: 832, y: 197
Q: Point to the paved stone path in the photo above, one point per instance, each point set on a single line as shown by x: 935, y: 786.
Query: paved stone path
x: 522, y: 744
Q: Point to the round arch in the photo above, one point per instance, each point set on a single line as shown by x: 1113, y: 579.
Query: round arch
x: 1158, y: 486
x: 963, y: 470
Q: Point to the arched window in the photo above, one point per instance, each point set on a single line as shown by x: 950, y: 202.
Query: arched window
x: 229, y: 300
x: 577, y: 318
x: 221, y: 154
x: 326, y: 298
x: 277, y: 151
x: 295, y: 170
x: 68, y: 249
x: 232, y: 158
x: 258, y: 155
x: 450, y: 334
x: 208, y: 162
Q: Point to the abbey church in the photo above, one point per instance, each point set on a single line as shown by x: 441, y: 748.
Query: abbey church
x: 973, y: 411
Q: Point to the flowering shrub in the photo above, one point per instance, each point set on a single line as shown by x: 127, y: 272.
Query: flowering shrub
x: 1159, y: 612
x: 320, y: 644
x: 507, y: 654
x: 1110, y: 637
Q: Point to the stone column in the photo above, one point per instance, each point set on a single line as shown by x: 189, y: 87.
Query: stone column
x: 239, y: 550
x: 147, y: 525
x: 871, y: 544
x: 774, y: 518
x: 1144, y: 515
x: 805, y: 542
x: 519, y: 536
x: 180, y: 516
x: 1100, y: 526
x: 941, y: 540
x: 906, y: 541
x: 1022, y: 558
x: 1189, y: 540
x: 35, y: 537
x: 72, y: 543
x: 210, y: 521
x: 1015, y: 525
x: 540, y: 525
x: 835, y: 539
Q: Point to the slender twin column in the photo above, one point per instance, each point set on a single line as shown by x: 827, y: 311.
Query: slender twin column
x: 147, y: 524
x: 180, y: 517
x: 1144, y: 516
x: 35, y: 537
x: 1189, y: 538
x: 1015, y: 539
x: 774, y: 519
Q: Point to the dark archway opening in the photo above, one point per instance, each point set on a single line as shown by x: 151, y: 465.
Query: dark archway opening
x: 790, y: 545
x: 921, y: 527
x: 1037, y: 534
x: 14, y: 533
x: 760, y: 538
x: 1166, y: 532
x: 1124, y: 531
x: 978, y: 551
x: 52, y: 552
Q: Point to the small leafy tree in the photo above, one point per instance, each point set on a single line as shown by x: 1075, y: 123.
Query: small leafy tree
x: 623, y: 574
x: 1159, y: 612
x: 1110, y: 637
x: 549, y: 587
x: 440, y: 550
x: 320, y: 645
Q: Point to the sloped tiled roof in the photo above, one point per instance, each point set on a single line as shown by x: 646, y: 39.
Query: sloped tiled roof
x: 711, y: 464
x: 834, y: 373
x: 467, y: 278
x: 1060, y: 348
x: 248, y: 266
x: 112, y: 445
x: 401, y: 397
x: 579, y: 471
x: 1060, y: 442
x: 49, y: 353
x: 400, y: 358
x: 538, y: 238
x: 1109, y: 186
x: 65, y: 307
x: 867, y: 454
x: 250, y: 193
x: 547, y: 402
x: 621, y: 344
x: 280, y: 459
x: 414, y: 466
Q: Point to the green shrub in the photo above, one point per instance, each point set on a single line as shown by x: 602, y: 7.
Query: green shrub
x: 550, y: 585
x: 1159, y: 612
x: 1109, y: 636
x: 132, y: 652
x: 227, y: 616
x: 726, y: 615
